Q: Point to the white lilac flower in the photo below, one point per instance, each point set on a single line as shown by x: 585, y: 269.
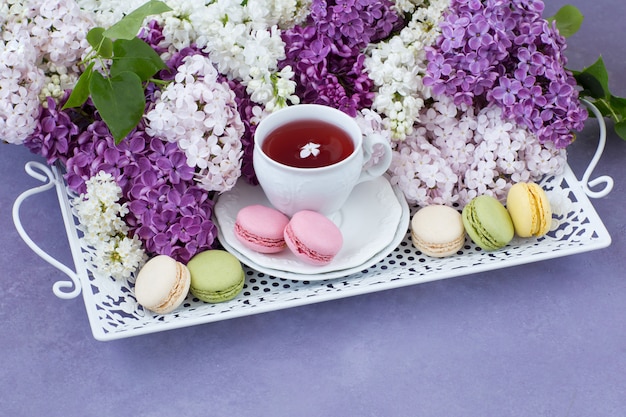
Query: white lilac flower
x: 310, y: 149
x: 51, y: 40
x: 101, y: 220
x: 455, y: 155
x: 20, y: 83
x: 286, y: 13
x: 199, y: 114
x: 178, y: 28
x: 119, y: 257
x: 396, y: 67
x: 244, y: 41
x: 107, y: 13
x: 60, y: 28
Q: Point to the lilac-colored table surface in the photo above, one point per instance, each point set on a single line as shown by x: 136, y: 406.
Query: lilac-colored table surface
x: 542, y: 339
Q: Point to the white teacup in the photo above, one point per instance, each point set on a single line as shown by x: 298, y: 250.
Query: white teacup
x: 322, y: 189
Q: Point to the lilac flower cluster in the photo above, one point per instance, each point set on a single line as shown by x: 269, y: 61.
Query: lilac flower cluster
x: 504, y: 52
x: 101, y: 218
x: 351, y: 24
x: 459, y: 152
x: 40, y: 44
x: 168, y: 211
x: 473, y: 93
x: 327, y: 53
x: 199, y: 114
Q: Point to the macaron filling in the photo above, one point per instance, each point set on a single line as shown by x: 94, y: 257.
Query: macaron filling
x: 180, y: 288
x: 216, y: 296
x: 266, y: 242
x: 433, y: 249
x: 539, y: 218
x: 479, y: 233
x: 299, y: 247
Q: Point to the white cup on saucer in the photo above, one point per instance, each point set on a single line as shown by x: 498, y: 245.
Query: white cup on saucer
x: 324, y: 189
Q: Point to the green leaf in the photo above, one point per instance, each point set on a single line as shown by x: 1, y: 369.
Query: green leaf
x: 618, y: 104
x: 135, y: 56
x: 80, y: 92
x: 120, y: 101
x: 568, y: 20
x: 620, y: 129
x: 103, y: 46
x: 594, y: 80
x: 129, y: 25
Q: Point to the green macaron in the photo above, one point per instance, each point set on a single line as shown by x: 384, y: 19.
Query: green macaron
x: 488, y: 223
x: 216, y: 276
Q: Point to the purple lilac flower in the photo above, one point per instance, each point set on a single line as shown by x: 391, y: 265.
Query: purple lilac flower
x: 326, y: 54
x: 54, y: 134
x: 506, y: 53
x: 353, y: 23
x: 152, y: 34
x: 168, y: 211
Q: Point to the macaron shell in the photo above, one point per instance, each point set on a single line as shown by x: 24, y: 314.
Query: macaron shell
x: 437, y: 230
x: 529, y: 208
x: 216, y: 276
x: 313, y: 238
x: 261, y: 228
x: 438, y: 250
x: 162, y: 284
x: 488, y: 223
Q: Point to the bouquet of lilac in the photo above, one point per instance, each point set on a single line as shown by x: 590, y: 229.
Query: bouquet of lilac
x: 473, y: 96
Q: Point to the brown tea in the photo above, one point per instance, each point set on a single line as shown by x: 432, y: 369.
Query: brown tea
x: 308, y: 144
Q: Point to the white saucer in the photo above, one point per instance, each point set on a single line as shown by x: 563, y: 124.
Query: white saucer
x: 373, y: 222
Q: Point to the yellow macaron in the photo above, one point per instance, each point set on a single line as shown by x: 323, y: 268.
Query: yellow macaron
x: 530, y: 209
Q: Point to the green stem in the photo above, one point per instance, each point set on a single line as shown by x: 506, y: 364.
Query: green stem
x: 159, y: 82
x: 612, y: 114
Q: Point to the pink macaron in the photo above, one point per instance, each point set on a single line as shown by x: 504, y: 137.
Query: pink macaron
x: 261, y: 228
x: 313, y: 238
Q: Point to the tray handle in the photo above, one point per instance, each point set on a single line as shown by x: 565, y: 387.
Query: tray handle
x: 586, y: 183
x: 62, y: 289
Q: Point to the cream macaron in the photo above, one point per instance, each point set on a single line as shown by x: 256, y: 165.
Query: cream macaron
x: 162, y: 284
x: 437, y: 231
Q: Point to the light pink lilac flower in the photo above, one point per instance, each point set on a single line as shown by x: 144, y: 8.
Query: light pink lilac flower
x: 199, y: 114
x: 457, y: 154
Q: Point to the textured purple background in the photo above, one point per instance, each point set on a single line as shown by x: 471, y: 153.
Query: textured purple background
x: 545, y: 339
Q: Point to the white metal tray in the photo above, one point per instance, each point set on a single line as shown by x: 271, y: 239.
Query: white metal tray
x: 114, y: 313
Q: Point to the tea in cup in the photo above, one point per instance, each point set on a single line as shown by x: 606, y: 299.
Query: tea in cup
x: 310, y: 157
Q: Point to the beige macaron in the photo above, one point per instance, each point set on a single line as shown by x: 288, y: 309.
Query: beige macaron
x: 162, y: 284
x: 437, y: 231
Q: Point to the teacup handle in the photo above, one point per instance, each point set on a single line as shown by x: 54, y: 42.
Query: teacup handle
x: 376, y: 157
